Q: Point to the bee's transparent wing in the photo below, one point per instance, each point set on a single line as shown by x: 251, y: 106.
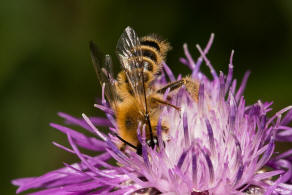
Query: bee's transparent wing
x: 104, y: 72
x: 130, y: 56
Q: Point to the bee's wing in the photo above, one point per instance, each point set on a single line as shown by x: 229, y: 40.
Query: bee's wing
x: 104, y: 72
x: 130, y: 56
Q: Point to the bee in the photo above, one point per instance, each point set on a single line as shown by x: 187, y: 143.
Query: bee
x: 132, y: 95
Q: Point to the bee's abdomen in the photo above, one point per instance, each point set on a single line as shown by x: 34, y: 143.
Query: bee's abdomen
x: 150, y: 53
x: 151, y: 59
x: 156, y: 43
x: 151, y: 43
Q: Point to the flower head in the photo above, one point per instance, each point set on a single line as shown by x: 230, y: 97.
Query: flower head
x: 215, y: 145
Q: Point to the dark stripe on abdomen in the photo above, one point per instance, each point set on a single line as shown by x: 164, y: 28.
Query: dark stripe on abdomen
x: 150, y: 54
x: 151, y: 44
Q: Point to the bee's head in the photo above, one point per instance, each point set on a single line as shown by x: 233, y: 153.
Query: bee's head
x: 150, y: 143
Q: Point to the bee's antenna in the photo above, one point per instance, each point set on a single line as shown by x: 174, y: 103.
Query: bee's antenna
x: 125, y: 142
x: 147, y: 114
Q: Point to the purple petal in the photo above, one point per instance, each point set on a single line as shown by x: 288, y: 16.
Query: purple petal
x: 242, y: 86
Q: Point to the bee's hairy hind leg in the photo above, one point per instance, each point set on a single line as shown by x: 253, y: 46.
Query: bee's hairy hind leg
x: 172, y: 86
x: 124, y: 143
x: 191, y: 86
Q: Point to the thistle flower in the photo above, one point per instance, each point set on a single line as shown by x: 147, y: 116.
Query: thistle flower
x: 216, y: 145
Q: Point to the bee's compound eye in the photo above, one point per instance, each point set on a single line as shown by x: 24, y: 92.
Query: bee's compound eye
x: 155, y: 140
x: 148, y: 142
x: 139, y: 146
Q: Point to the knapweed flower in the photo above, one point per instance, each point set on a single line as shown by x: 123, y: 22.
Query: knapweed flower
x: 215, y: 145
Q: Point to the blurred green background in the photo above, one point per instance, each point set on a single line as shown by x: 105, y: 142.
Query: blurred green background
x: 45, y: 65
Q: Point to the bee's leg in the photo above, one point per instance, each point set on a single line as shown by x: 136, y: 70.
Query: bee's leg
x: 172, y: 86
x: 191, y: 86
x: 161, y: 101
x: 125, y: 143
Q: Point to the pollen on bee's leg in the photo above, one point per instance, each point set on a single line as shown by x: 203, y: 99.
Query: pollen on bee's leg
x: 192, y: 87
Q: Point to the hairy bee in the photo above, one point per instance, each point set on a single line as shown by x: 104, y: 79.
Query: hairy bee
x: 132, y: 95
